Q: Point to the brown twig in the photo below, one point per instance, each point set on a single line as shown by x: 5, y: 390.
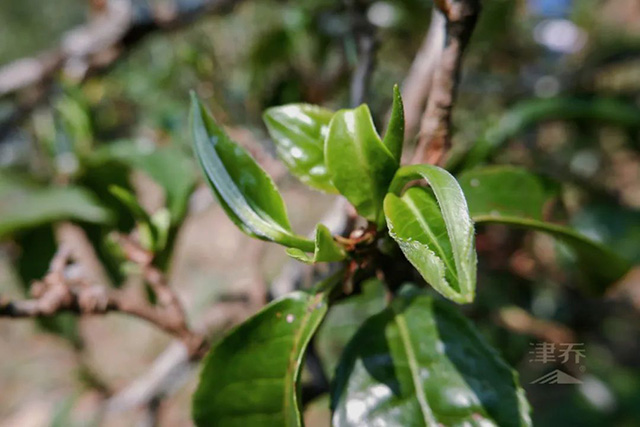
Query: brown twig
x: 364, y: 35
x: 417, y: 84
x: 434, y: 139
x: 59, y: 291
x: 521, y: 322
x: 173, y: 366
x: 93, y: 48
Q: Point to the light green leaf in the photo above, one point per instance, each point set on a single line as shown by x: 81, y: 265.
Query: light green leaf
x: 394, y: 138
x: 25, y: 205
x: 161, y: 221
x: 298, y: 132
x: 251, y: 377
x: 359, y: 164
x: 131, y: 202
x: 151, y: 238
x: 493, y: 197
x: 435, y: 234
x: 420, y: 363
x: 299, y: 255
x: 245, y: 191
x: 326, y: 249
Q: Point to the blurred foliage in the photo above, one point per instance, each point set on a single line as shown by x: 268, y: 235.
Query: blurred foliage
x: 32, y: 25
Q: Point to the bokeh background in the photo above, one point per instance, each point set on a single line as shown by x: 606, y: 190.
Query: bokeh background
x: 553, y: 85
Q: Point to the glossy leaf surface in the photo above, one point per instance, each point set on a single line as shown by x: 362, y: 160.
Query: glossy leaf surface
x: 250, y: 378
x: 435, y: 233
x: 245, y: 191
x: 298, y: 132
x: 420, y: 363
x: 359, y: 164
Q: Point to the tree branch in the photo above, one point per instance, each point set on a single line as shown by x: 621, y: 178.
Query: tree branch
x: 417, y: 84
x: 364, y: 34
x: 62, y: 290
x: 434, y: 139
x: 93, y: 48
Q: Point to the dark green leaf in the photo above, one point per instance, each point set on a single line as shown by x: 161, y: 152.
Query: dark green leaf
x: 326, y: 250
x: 394, y: 138
x: 344, y: 319
x: 505, y: 189
x: 435, y: 234
x: 493, y: 197
x: 615, y: 226
x: 25, y: 205
x: 600, y: 262
x: 151, y: 237
x: 420, y: 363
x: 251, y: 377
x: 245, y: 191
x: 359, y: 164
x: 299, y: 132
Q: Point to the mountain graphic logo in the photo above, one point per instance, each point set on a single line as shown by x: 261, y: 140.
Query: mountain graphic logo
x: 556, y: 377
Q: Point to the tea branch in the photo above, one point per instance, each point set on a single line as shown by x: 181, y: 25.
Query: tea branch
x: 434, y: 139
x: 364, y: 35
x: 417, y: 84
x: 94, y: 48
x: 64, y: 289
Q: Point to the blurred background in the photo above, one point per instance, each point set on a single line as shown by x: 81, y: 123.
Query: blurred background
x: 94, y: 93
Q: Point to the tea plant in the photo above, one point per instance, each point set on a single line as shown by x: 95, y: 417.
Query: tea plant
x: 388, y: 330
x: 418, y: 361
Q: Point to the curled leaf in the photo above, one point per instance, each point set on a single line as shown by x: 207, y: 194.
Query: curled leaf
x: 326, y: 249
x: 245, y: 191
x: 394, y: 138
x: 436, y: 234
